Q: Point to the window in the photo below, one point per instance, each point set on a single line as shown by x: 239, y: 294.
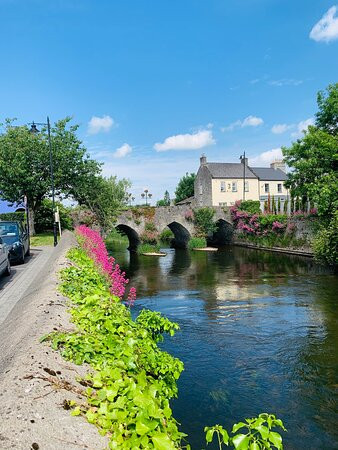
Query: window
x: 266, y: 187
x: 222, y: 186
x: 246, y: 186
x: 201, y: 189
x: 279, y: 187
x: 222, y: 204
x: 234, y: 186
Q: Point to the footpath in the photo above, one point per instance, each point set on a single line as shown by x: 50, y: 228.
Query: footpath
x: 35, y: 381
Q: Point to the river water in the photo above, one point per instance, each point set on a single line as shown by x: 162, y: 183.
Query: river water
x: 259, y: 333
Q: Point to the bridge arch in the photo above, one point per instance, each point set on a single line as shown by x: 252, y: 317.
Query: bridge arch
x: 182, y: 235
x: 223, y: 234
x: 132, y: 235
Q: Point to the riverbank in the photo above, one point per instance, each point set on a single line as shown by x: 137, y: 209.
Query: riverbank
x: 289, y: 251
x: 35, y: 380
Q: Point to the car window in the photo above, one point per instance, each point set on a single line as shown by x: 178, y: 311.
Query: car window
x: 9, y: 229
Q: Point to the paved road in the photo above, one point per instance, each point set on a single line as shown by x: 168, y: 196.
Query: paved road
x: 15, y: 287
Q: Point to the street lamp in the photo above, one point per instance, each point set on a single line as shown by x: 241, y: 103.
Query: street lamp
x: 147, y: 195
x: 34, y: 130
x: 242, y: 158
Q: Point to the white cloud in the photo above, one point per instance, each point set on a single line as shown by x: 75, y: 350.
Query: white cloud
x: 280, y: 128
x: 193, y: 141
x: 303, y: 126
x: 286, y: 82
x: 250, y: 121
x: 98, y: 124
x: 327, y: 28
x: 265, y: 158
x: 123, y: 151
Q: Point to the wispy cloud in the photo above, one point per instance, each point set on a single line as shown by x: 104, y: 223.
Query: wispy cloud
x: 265, y: 158
x: 285, y: 82
x: 193, y: 141
x: 250, y: 121
x: 123, y: 151
x: 280, y: 128
x: 327, y: 28
x: 302, y: 126
x: 100, y: 124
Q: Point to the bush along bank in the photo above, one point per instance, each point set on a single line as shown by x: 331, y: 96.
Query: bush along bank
x: 131, y: 380
x: 273, y: 230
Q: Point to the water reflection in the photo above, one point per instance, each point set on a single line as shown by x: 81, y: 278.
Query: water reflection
x: 259, y: 332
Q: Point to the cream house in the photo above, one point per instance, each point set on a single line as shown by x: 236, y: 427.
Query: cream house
x: 222, y: 184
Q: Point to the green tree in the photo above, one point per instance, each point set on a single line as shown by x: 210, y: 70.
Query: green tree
x: 24, y: 163
x: 185, y: 187
x: 165, y: 201
x: 314, y: 162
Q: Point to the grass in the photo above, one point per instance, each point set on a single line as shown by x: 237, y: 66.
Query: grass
x: 197, y: 242
x: 148, y: 248
x: 42, y: 239
x: 115, y: 237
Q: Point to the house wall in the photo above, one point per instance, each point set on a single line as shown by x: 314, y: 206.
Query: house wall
x: 203, y: 187
x: 273, y: 189
x: 230, y: 197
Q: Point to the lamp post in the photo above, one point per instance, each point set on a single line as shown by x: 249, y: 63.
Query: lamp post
x: 147, y: 195
x: 244, y: 164
x: 34, y: 130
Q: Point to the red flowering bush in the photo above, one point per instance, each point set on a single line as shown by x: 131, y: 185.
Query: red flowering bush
x: 94, y: 246
x: 189, y: 216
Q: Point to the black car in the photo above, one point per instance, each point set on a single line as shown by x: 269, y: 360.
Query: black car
x: 15, y: 235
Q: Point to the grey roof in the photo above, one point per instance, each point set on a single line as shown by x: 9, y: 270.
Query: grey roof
x: 229, y: 170
x: 186, y: 200
x: 269, y: 174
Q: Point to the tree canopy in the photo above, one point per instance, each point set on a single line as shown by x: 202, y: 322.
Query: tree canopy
x: 165, y: 201
x: 185, y: 187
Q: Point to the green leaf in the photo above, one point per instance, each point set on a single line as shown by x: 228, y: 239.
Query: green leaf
x: 263, y: 430
x: 209, y: 434
x: 237, y: 426
x: 141, y: 428
x: 76, y: 411
x: 241, y: 441
x: 276, y: 439
x: 163, y: 442
x: 254, y: 446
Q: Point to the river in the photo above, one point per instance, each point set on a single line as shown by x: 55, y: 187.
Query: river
x: 259, y: 333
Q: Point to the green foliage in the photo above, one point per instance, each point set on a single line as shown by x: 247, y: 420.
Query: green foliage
x: 165, y: 201
x: 19, y: 216
x: 149, y: 237
x: 266, y: 220
x: 185, y: 187
x: 325, y: 244
x: 327, y: 116
x: 251, y: 206
x: 203, y: 219
x: 44, y: 216
x: 131, y: 380
x: 150, y: 226
x: 284, y: 240
x: 148, y: 248
x: 197, y: 242
x: 167, y: 235
x: 115, y: 237
x: 258, y: 434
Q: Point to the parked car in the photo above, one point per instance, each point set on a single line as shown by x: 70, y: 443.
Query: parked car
x: 15, y: 235
x: 5, y: 264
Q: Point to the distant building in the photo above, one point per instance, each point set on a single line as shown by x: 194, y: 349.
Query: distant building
x: 222, y: 184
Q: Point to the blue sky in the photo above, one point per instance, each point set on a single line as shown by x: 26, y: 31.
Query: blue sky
x: 153, y: 84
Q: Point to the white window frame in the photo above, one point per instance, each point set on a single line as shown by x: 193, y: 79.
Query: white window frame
x: 279, y: 188
x: 246, y: 186
x: 234, y: 186
x: 222, y: 204
x: 223, y: 186
x: 266, y: 188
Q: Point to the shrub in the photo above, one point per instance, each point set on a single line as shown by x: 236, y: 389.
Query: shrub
x: 250, y: 206
x: 203, y: 219
x: 148, y: 248
x: 149, y: 237
x: 83, y: 216
x: 197, y: 242
x: 167, y: 235
x: 325, y: 244
x: 44, y: 216
x: 19, y: 216
x: 189, y: 215
x: 150, y: 226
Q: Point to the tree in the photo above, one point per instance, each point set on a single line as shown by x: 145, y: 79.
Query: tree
x: 24, y: 163
x: 103, y: 197
x: 165, y: 201
x: 185, y: 187
x: 314, y: 163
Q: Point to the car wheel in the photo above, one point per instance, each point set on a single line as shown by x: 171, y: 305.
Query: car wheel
x: 22, y: 257
x: 8, y: 268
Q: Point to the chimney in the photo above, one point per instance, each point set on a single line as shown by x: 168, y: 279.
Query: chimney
x: 244, y: 160
x: 203, y: 160
x: 278, y: 164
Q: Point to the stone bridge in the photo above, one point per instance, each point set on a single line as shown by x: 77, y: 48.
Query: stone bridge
x: 179, y: 219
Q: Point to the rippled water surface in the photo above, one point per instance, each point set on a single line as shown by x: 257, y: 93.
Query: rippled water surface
x: 259, y: 333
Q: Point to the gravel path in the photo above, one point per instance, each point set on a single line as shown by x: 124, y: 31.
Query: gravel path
x: 32, y: 375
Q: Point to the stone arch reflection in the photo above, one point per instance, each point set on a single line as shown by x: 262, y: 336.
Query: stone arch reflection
x: 182, y: 235
x: 132, y: 235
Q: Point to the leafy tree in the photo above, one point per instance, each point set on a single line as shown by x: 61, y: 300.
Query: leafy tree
x: 24, y: 163
x: 314, y: 162
x: 44, y: 216
x: 203, y: 219
x: 165, y: 201
x: 185, y: 187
